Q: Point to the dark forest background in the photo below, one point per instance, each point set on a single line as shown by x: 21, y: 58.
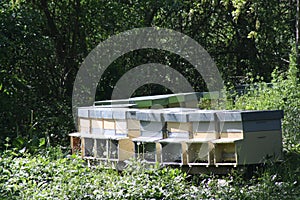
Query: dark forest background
x: 43, y: 42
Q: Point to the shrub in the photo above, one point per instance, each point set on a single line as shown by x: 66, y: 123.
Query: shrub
x: 284, y: 94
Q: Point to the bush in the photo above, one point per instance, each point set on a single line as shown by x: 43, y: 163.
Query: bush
x: 284, y: 94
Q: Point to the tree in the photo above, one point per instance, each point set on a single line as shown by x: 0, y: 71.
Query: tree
x: 43, y: 43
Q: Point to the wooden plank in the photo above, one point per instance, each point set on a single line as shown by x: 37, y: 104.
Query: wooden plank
x: 84, y: 122
x: 158, y: 152
x: 237, y: 135
x: 126, y: 149
x: 133, y: 133
x: 205, y: 127
x: 184, y: 153
x: 178, y: 127
x: 133, y: 124
x: 121, y: 126
x: 82, y: 147
x: 109, y: 124
x: 97, y: 123
x: 206, y: 135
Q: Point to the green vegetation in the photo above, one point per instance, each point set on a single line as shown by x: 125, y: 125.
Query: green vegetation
x: 284, y: 94
x: 52, y: 175
x: 42, y: 44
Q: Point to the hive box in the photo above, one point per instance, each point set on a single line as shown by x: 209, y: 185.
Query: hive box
x: 205, y: 124
x: 173, y: 149
x: 190, y: 131
x: 103, y: 132
x: 234, y: 123
x: 152, y: 127
x: 178, y: 124
x: 116, y: 121
x: 106, y: 148
x: 84, y: 123
x: 199, y: 152
x: 152, y: 123
x: 248, y: 137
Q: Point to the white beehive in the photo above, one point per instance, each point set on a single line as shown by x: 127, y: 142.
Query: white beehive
x: 152, y: 128
x: 178, y: 136
x: 103, y: 132
x: 173, y: 148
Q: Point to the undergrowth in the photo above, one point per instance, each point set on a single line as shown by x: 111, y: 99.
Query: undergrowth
x: 54, y: 175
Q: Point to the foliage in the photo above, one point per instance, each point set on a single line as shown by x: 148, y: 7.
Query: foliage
x: 58, y: 177
x: 284, y: 94
x: 51, y: 174
x: 43, y: 43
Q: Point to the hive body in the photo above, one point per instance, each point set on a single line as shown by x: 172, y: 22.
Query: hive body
x: 177, y: 136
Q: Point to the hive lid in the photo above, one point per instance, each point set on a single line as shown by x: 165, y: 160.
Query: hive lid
x: 131, y: 113
x: 95, y: 113
x: 249, y: 115
x: 77, y: 134
x: 202, y: 116
x: 177, y: 114
x: 150, y: 115
x: 83, y: 111
x: 114, y: 113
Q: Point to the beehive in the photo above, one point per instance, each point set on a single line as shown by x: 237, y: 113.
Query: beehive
x: 199, y: 152
x: 152, y: 129
x: 204, y: 129
x: 103, y: 131
x: 205, y: 124
x: 177, y: 136
x: 248, y: 137
x: 173, y: 148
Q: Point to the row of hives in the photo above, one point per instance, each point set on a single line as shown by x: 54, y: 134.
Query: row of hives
x: 178, y: 136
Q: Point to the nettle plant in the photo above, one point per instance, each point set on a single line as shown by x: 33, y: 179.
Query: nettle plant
x: 284, y: 94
